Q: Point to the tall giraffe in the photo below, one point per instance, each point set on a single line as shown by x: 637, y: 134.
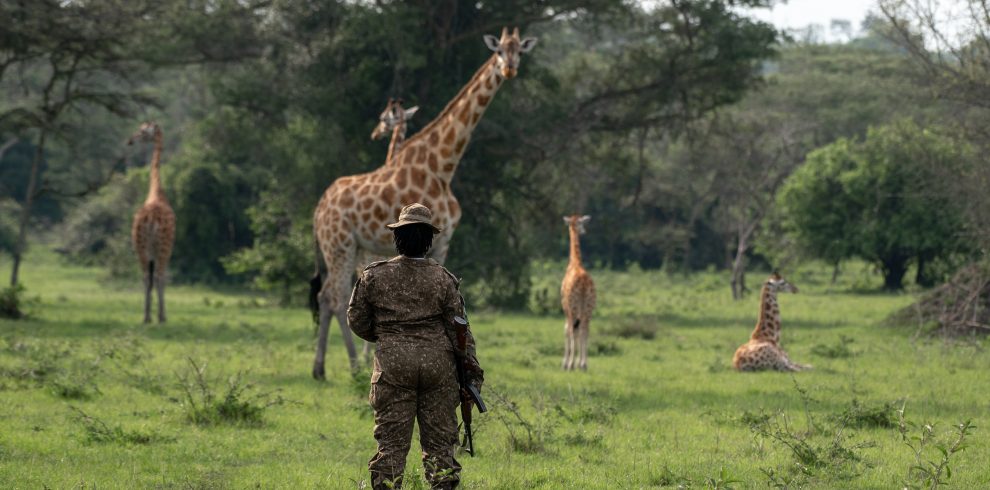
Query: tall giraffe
x: 352, y: 213
x: 577, y: 297
x: 763, y: 349
x: 153, y: 231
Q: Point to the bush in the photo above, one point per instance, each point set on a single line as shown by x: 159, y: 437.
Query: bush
x: 98, y: 230
x: 11, y: 302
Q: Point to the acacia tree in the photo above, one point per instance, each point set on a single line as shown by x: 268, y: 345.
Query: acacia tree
x: 76, y: 58
x: 954, y: 63
x: 877, y: 199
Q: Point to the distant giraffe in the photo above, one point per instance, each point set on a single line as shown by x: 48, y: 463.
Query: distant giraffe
x: 153, y: 231
x: 763, y: 349
x: 393, y: 120
x: 577, y: 297
x: 352, y: 213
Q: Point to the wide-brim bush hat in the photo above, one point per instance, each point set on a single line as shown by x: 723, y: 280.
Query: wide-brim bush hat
x: 412, y: 214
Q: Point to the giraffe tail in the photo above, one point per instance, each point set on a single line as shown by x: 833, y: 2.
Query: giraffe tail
x: 577, y: 323
x: 316, y: 284
x: 151, y: 272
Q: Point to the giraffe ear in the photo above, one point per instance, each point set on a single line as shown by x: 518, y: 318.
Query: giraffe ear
x: 410, y: 111
x: 527, y: 44
x: 567, y: 220
x: 585, y: 218
x: 492, y: 42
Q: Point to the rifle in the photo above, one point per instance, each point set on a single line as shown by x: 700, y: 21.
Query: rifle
x: 469, y: 394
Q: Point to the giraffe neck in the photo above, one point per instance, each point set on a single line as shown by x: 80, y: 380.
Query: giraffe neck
x: 448, y: 134
x: 398, y: 137
x: 155, y: 191
x: 768, y: 326
x: 575, y: 256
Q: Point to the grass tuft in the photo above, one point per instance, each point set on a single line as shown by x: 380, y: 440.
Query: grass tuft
x: 203, y: 406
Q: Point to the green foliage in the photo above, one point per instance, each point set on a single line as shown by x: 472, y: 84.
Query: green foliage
x: 12, y: 302
x: 284, y: 250
x: 624, y: 420
x: 204, y: 406
x: 99, y: 432
x: 840, y: 350
x: 931, y: 473
x: 209, y: 201
x: 878, y: 200
x: 98, y: 230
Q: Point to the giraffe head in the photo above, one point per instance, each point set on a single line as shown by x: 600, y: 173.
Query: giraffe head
x: 577, y: 222
x: 776, y: 283
x: 146, y: 132
x: 509, y: 49
x: 393, y: 116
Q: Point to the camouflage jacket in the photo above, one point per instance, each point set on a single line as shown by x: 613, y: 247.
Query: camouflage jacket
x: 406, y: 300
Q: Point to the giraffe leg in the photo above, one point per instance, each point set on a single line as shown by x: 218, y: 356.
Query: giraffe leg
x: 583, y: 339
x: 160, y: 286
x: 333, y: 301
x: 321, y: 340
x: 148, y: 284
x: 567, y: 343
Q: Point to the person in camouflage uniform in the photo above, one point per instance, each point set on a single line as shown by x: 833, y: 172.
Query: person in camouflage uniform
x: 407, y: 306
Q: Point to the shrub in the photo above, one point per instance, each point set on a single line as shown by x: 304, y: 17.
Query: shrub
x: 236, y: 406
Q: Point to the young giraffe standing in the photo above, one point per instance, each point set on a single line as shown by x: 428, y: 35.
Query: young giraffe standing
x: 352, y: 213
x: 763, y: 349
x: 153, y: 231
x: 577, y: 297
x: 393, y: 120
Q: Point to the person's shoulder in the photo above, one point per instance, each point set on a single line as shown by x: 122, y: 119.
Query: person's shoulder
x: 370, y: 268
x: 456, y: 280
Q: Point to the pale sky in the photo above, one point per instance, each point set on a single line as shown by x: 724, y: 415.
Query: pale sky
x: 801, y: 13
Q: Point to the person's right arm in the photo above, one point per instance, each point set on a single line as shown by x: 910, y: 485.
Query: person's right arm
x: 359, y: 311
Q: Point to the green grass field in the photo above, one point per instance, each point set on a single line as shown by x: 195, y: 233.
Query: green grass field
x: 659, y: 406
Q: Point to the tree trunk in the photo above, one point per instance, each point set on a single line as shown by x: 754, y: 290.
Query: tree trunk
x: 922, y: 278
x: 739, y: 268
x: 894, y: 268
x: 835, y: 272
x: 39, y: 152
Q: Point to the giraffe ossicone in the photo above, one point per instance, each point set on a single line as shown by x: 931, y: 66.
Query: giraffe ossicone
x: 763, y: 351
x: 349, y: 220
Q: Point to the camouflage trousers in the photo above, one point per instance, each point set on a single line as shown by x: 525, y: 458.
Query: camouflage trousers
x: 414, y: 382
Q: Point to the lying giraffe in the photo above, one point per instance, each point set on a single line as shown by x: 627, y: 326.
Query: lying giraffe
x: 763, y: 349
x: 351, y: 216
x: 153, y: 231
x: 577, y: 297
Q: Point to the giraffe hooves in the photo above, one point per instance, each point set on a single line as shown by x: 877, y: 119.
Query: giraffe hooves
x: 318, y: 372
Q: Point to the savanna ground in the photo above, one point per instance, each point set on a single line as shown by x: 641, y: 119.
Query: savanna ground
x: 91, y: 398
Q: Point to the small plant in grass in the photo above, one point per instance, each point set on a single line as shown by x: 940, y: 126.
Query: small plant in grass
x: 524, y: 436
x: 722, y: 481
x: 667, y: 478
x: 236, y: 405
x: 71, y: 389
x: 821, y: 447
x: 12, y: 302
x: 604, y: 348
x: 931, y: 473
x: 840, y: 350
x: 97, y: 431
x: 859, y: 415
x: 635, y: 326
